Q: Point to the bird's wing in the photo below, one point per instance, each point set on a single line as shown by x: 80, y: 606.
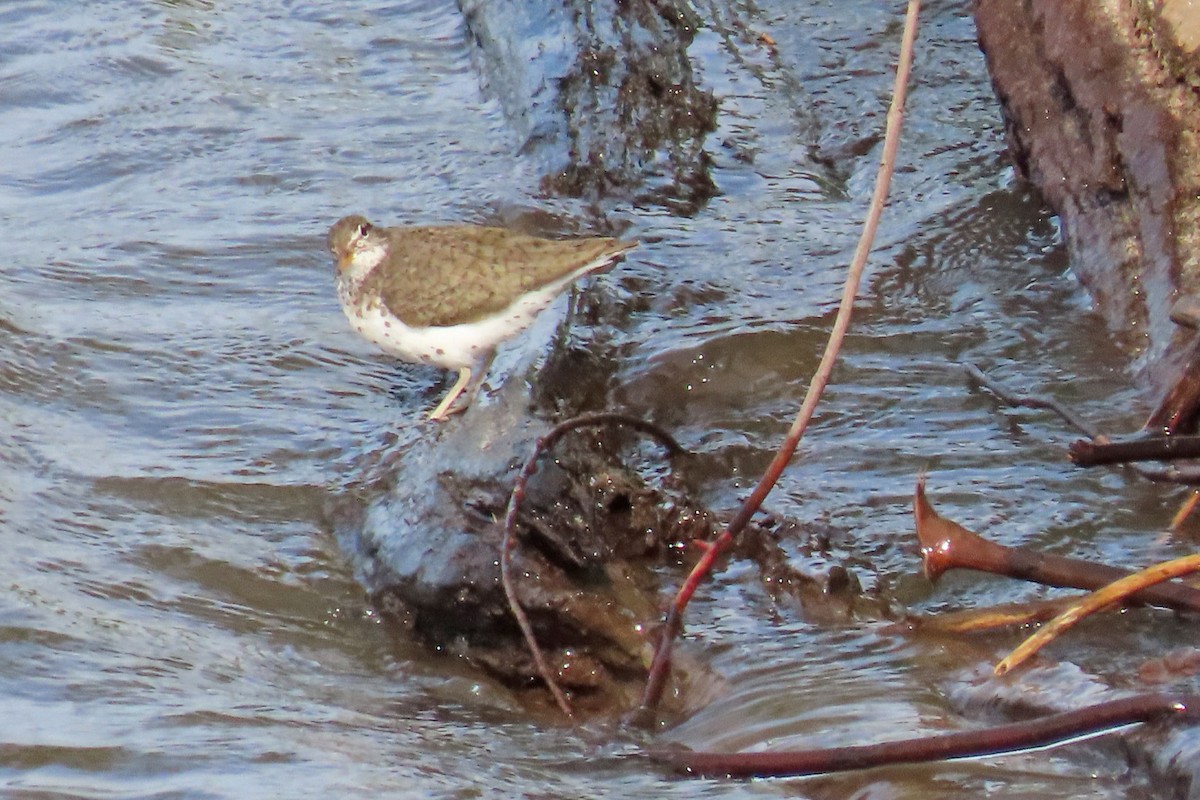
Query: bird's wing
x: 448, y: 275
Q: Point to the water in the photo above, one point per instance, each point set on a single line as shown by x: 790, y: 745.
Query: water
x: 183, y: 402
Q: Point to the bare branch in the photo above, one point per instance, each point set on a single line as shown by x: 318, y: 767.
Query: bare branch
x: 661, y: 665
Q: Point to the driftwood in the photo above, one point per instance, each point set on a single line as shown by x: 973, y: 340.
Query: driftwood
x: 1149, y: 448
x: 1050, y: 729
x: 947, y: 545
x: 1102, y: 114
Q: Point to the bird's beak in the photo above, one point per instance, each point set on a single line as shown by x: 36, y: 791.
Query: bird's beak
x: 343, y: 261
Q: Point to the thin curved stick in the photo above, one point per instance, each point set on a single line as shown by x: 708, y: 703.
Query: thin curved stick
x: 660, y: 667
x: 1116, y: 592
x: 1041, y: 403
x: 1172, y: 473
x: 517, y: 496
x: 1039, y: 732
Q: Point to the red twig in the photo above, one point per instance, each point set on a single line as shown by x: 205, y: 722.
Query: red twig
x: 517, y: 496
x: 1040, y: 732
x: 659, y: 668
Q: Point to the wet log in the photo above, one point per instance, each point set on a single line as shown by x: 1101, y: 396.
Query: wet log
x: 1148, y: 448
x: 592, y: 536
x: 1049, y: 730
x: 1102, y: 114
x: 603, y: 95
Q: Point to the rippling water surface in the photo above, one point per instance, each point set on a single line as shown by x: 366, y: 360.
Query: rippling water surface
x: 183, y: 402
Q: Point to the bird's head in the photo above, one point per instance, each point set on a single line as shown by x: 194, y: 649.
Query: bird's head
x: 348, y: 237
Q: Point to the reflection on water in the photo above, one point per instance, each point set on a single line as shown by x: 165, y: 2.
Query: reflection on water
x: 185, y: 409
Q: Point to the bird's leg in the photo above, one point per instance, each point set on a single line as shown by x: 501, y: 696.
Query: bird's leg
x: 443, y: 408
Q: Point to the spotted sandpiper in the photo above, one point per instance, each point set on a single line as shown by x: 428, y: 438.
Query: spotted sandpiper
x: 447, y: 295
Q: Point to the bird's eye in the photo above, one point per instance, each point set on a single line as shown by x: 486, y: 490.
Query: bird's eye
x: 363, y: 229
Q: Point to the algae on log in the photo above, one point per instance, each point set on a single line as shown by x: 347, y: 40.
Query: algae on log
x: 1102, y: 115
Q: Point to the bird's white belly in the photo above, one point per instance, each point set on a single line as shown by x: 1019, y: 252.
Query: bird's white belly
x: 449, y: 347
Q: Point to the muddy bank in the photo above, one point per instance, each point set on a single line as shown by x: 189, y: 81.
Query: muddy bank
x: 1102, y: 114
